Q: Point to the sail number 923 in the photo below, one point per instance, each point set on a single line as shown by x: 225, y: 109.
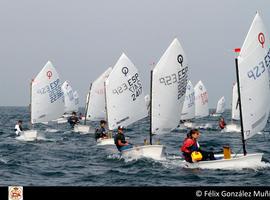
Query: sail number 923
x: 180, y: 78
x: 259, y: 69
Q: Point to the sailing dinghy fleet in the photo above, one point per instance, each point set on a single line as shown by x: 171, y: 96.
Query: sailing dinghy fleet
x: 118, y: 96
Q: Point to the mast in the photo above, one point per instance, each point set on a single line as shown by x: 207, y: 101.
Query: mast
x: 106, y: 103
x: 87, y: 104
x: 240, y: 107
x: 30, y: 105
x: 150, y: 111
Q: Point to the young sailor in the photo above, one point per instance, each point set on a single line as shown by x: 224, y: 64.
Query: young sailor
x: 73, y: 120
x: 222, y: 123
x: 120, y: 140
x: 101, y: 131
x: 18, y: 127
x: 191, y: 145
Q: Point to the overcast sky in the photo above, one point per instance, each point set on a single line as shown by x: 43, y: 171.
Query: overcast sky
x: 82, y: 38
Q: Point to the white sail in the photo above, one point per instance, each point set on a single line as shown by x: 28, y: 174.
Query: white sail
x: 253, y: 61
x: 47, y: 101
x: 201, y: 100
x: 96, y: 106
x: 188, y: 111
x: 124, y: 94
x: 68, y: 97
x: 235, y: 105
x: 76, y: 101
x: 220, y: 105
x: 169, y: 82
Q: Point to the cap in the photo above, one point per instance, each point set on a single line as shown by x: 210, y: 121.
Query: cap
x: 120, y: 127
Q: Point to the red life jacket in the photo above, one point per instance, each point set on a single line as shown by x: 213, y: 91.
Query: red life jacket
x: 222, y: 124
x: 189, y: 145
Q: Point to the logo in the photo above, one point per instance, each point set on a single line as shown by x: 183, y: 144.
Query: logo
x: 180, y: 59
x: 49, y: 74
x: 125, y: 71
x: 261, y: 39
x: 200, y: 87
x: 15, y: 193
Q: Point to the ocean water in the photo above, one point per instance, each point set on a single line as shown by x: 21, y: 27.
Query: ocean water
x: 64, y: 158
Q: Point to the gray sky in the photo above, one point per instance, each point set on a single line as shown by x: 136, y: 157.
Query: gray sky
x: 82, y: 38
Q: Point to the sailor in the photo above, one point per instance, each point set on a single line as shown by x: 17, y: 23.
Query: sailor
x: 191, y: 145
x: 101, y: 131
x: 222, y: 123
x: 73, y: 120
x: 18, y: 127
x: 120, y: 140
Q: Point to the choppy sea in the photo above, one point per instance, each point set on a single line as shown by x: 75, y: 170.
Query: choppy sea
x: 64, y: 158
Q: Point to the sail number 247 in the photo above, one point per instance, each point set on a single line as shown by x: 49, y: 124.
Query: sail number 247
x: 133, y: 85
x: 258, y: 70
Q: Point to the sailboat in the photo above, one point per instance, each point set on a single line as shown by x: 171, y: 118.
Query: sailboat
x: 167, y: 95
x: 220, y: 107
x: 124, y: 96
x: 95, y: 103
x: 254, y: 94
x: 95, y: 107
x: 76, y: 100
x: 188, y: 111
x: 201, y: 105
x: 233, y: 126
x: 201, y: 100
x: 70, y: 104
x: 46, y: 99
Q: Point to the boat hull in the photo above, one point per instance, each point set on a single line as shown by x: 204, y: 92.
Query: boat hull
x: 232, y: 128
x: 189, y: 124
x: 236, y: 161
x: 106, y: 141
x: 29, y: 135
x: 155, y: 152
x: 84, y: 129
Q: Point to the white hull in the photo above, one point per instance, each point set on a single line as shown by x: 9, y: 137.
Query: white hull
x: 29, y: 135
x: 196, y: 125
x: 84, y: 129
x: 107, y: 141
x: 61, y: 120
x: 216, y: 115
x: 56, y: 121
x: 232, y: 128
x: 238, y: 161
x: 155, y: 152
x: 189, y: 124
